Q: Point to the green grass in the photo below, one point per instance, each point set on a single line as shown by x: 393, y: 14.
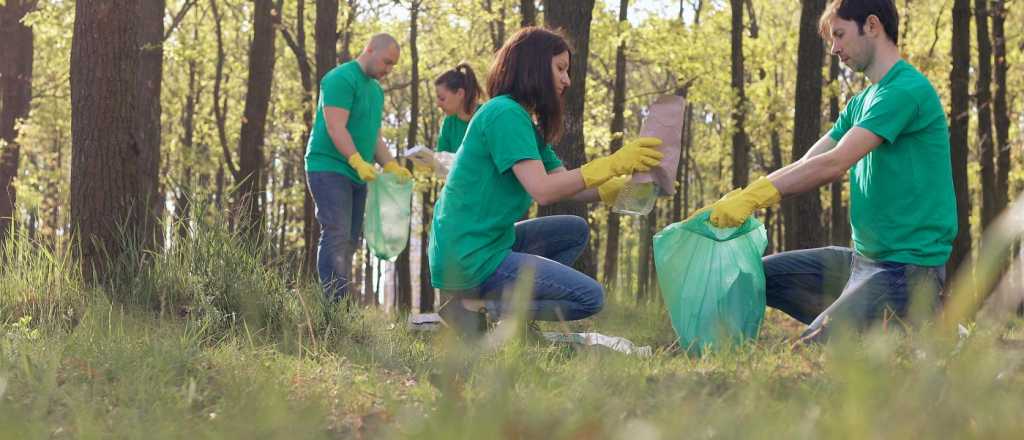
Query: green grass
x: 215, y: 340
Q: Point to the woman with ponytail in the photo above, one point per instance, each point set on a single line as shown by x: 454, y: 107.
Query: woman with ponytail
x: 458, y: 95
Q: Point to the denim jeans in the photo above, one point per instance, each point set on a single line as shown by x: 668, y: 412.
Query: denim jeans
x: 548, y: 245
x: 834, y: 286
x: 340, y: 203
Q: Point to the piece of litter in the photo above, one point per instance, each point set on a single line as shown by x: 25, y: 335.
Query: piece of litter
x: 426, y: 322
x: 616, y: 343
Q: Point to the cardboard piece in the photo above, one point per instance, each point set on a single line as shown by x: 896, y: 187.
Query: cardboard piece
x: 664, y: 121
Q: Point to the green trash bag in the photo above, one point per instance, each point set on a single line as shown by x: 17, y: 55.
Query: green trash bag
x: 712, y: 280
x: 388, y: 214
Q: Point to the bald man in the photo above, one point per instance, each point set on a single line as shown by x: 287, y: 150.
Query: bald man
x: 344, y: 143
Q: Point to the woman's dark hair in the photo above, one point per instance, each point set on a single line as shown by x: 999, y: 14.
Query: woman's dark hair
x: 522, y: 70
x: 859, y: 11
x: 462, y: 77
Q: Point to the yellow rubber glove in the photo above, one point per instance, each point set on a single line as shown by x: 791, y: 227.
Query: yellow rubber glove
x: 732, y: 212
x: 399, y: 171
x: 709, y: 207
x: 609, y: 191
x: 638, y: 154
x: 363, y: 169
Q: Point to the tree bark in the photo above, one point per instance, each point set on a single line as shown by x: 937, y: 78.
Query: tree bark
x: 183, y: 204
x: 403, y: 265
x: 611, y: 254
x: 840, y: 219
x: 107, y: 181
x: 326, y: 40
x: 496, y: 23
x: 528, y: 11
x: 803, y: 212
x: 16, y: 50
x: 959, y: 118
x: 983, y: 103
x: 1000, y: 108
x: 257, y: 101
x: 740, y: 142
x: 149, y: 84
x: 573, y: 16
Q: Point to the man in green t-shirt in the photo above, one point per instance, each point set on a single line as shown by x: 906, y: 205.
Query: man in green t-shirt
x: 894, y: 141
x: 344, y: 142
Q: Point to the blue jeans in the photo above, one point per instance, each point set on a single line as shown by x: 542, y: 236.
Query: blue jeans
x: 548, y: 245
x: 834, y: 286
x: 340, y: 203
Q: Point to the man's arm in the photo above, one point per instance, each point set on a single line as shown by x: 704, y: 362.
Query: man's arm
x: 337, y: 119
x: 825, y: 162
x: 381, y: 154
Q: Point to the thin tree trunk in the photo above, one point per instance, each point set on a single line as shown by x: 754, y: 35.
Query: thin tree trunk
x: 528, y: 11
x: 840, y: 219
x: 326, y: 38
x: 257, y: 101
x: 149, y: 84
x: 16, y: 50
x: 403, y: 266
x: 1000, y: 108
x: 983, y: 96
x: 496, y: 23
x: 611, y: 253
x: 959, y: 119
x: 106, y: 179
x: 183, y: 205
x: 740, y: 142
x: 803, y: 212
x: 574, y: 17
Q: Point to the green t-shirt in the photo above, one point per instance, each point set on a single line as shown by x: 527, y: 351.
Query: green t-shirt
x: 453, y: 130
x: 347, y: 87
x: 902, y: 204
x: 474, y: 219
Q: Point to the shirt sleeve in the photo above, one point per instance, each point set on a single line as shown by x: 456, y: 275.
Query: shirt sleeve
x: 550, y: 159
x: 338, y: 91
x: 889, y: 113
x: 511, y: 138
x: 444, y: 138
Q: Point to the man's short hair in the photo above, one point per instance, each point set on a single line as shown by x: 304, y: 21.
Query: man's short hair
x: 381, y: 41
x: 859, y: 11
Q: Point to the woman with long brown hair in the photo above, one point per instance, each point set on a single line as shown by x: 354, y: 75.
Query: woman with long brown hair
x: 477, y: 248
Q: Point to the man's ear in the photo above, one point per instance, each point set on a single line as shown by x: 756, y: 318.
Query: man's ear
x: 873, y: 25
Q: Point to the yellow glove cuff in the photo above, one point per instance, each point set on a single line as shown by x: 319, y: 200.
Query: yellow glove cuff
x: 764, y: 193
x: 609, y: 190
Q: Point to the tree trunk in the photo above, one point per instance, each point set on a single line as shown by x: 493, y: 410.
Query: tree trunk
x: 107, y: 181
x: 959, y: 118
x: 149, y: 81
x: 740, y: 142
x: 183, y: 204
x: 257, y: 101
x: 983, y: 103
x: 403, y: 266
x: 496, y: 23
x: 298, y: 46
x: 803, y: 212
x: 326, y: 38
x: 528, y: 10
x: 574, y: 18
x: 1000, y: 108
x: 611, y: 254
x: 840, y: 219
x: 16, y: 50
